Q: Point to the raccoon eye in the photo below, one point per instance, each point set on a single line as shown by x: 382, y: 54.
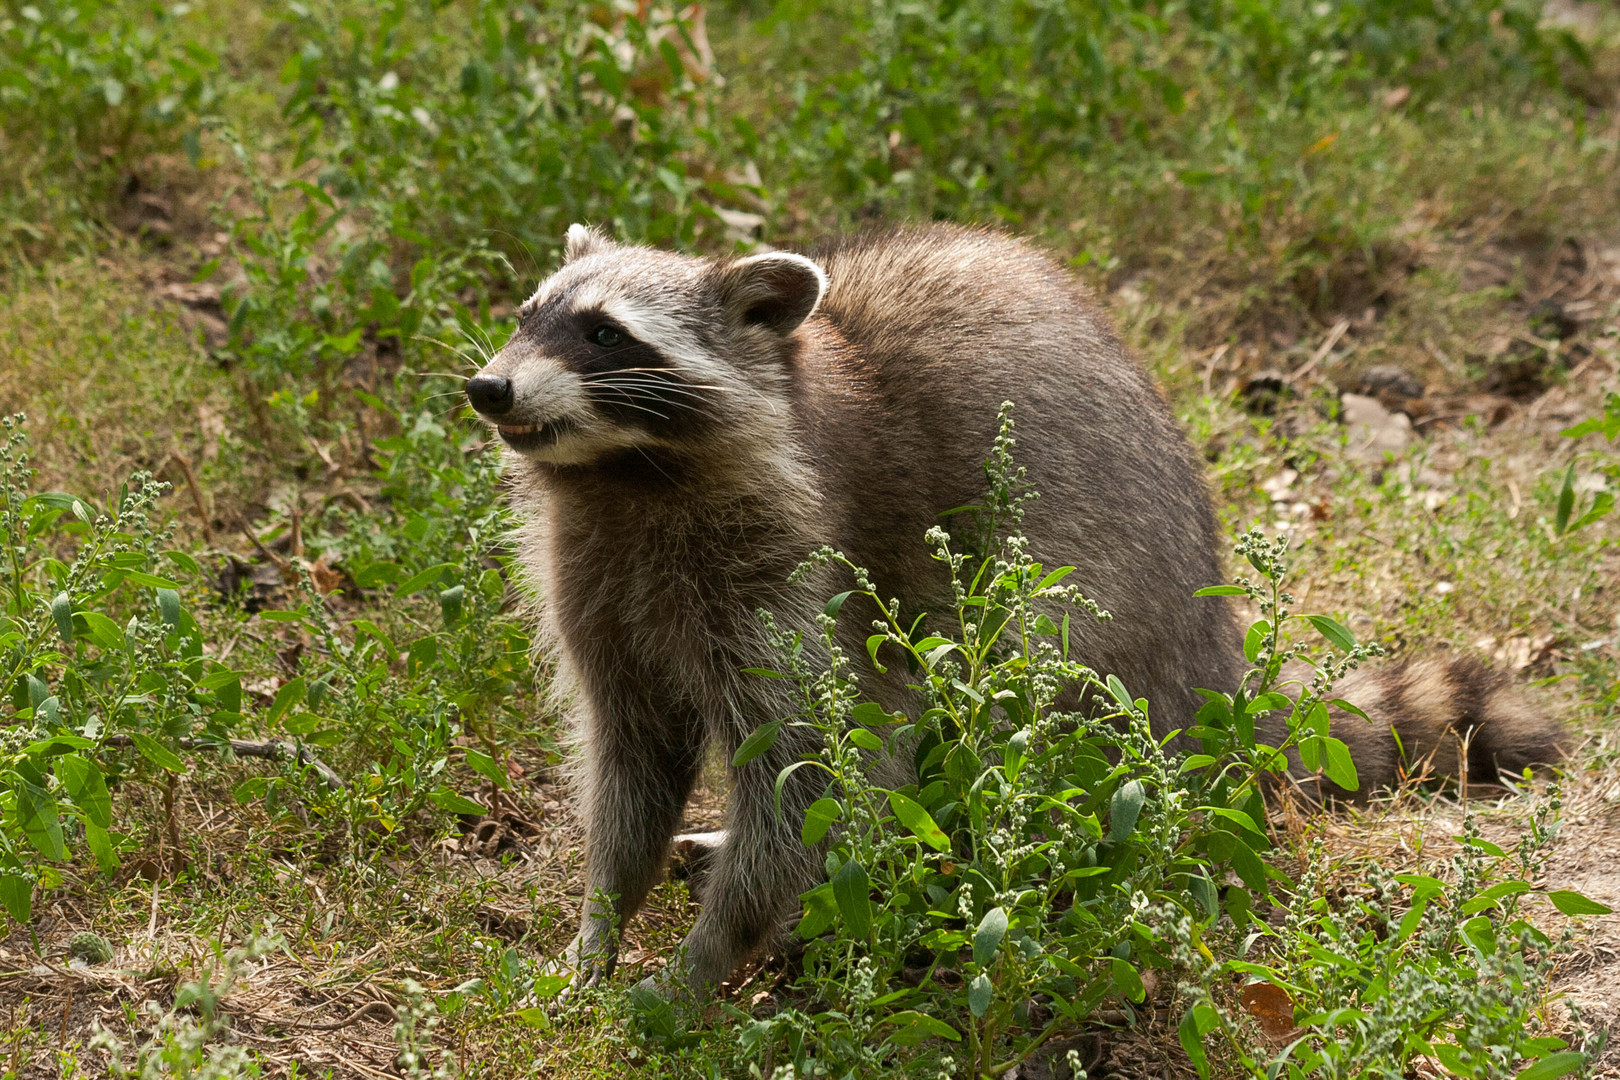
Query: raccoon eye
x: 606, y: 336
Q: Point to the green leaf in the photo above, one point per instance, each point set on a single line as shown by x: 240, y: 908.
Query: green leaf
x: 919, y: 821
x: 864, y: 739
x: 547, y: 987
x: 1412, y: 919
x: 377, y: 573
x: 763, y: 738
x: 912, y: 1027
x: 872, y: 645
x: 16, y: 890
x: 1511, y: 887
x: 420, y: 581
x: 1450, y: 1056
x: 1121, y: 695
x: 82, y: 781
x: 1602, y: 506
x: 1566, y: 501
x: 1126, y: 980
x: 1198, y: 1022
x: 819, y: 911
x: 534, y: 1018
x: 871, y: 714
x: 169, y: 606
x: 157, y: 753
x: 1204, y: 892
x: 1238, y: 816
x: 150, y: 581
x: 1339, y: 767
x: 1482, y: 933
x: 101, y: 846
x: 980, y: 993
x: 291, y: 693
x: 62, y: 612
x: 1571, y: 902
x: 850, y: 890
x: 485, y: 766
x: 183, y: 561
x: 987, y: 938
x: 103, y: 631
x: 1553, y: 1066
x: 1335, y: 632
x: 450, y: 603
x: 1222, y: 590
x: 818, y: 819
x: 446, y: 799
x: 1124, y: 809
x: 1053, y: 578
x: 836, y: 604
x: 1254, y: 640
x: 36, y: 813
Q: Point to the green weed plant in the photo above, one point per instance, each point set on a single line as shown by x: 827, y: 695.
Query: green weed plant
x: 1053, y: 851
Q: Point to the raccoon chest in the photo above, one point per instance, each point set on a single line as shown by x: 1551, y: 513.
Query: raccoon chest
x: 686, y: 635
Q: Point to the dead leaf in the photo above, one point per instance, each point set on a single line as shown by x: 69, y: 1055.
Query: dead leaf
x: 1272, y: 1007
x: 327, y: 578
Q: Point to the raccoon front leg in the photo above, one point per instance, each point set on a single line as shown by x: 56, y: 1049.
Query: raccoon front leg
x: 634, y: 784
x: 757, y: 873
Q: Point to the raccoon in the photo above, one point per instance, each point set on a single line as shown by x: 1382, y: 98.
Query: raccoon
x: 683, y: 432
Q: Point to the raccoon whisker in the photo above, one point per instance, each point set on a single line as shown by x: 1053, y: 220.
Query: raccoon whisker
x: 645, y: 385
x: 484, y: 355
x: 644, y: 394
x: 434, y: 375
x: 654, y: 464
x: 485, y: 347
x: 472, y: 362
x: 667, y: 371
x: 643, y: 408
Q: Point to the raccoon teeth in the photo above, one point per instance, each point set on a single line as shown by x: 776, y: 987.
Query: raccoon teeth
x: 523, y: 429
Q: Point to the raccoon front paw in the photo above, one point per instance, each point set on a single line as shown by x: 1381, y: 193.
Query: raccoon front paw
x: 586, y: 962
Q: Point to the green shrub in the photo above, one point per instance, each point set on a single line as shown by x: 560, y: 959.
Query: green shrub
x: 956, y: 109
x: 108, y: 682
x: 501, y: 124
x: 86, y: 86
x: 1047, y: 858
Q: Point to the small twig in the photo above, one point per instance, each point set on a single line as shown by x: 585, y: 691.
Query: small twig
x: 173, y: 821
x: 196, y: 494
x: 1322, y: 350
x: 1214, y: 359
x: 268, y: 749
x: 384, y: 1010
x: 247, y: 530
x: 296, y: 548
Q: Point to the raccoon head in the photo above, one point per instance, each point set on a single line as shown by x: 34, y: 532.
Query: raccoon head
x: 628, y: 348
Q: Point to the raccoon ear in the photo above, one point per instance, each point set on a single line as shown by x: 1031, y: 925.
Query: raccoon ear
x: 582, y: 240
x: 778, y: 290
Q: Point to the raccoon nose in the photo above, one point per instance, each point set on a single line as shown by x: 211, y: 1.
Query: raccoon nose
x: 490, y: 394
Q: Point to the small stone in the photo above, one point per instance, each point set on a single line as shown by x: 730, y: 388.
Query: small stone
x: 90, y: 947
x: 1388, y: 381
x: 1374, y: 430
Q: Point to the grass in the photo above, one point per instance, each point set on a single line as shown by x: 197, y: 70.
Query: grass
x: 1440, y: 227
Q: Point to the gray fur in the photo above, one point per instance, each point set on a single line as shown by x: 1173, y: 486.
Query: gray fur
x: 772, y: 405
